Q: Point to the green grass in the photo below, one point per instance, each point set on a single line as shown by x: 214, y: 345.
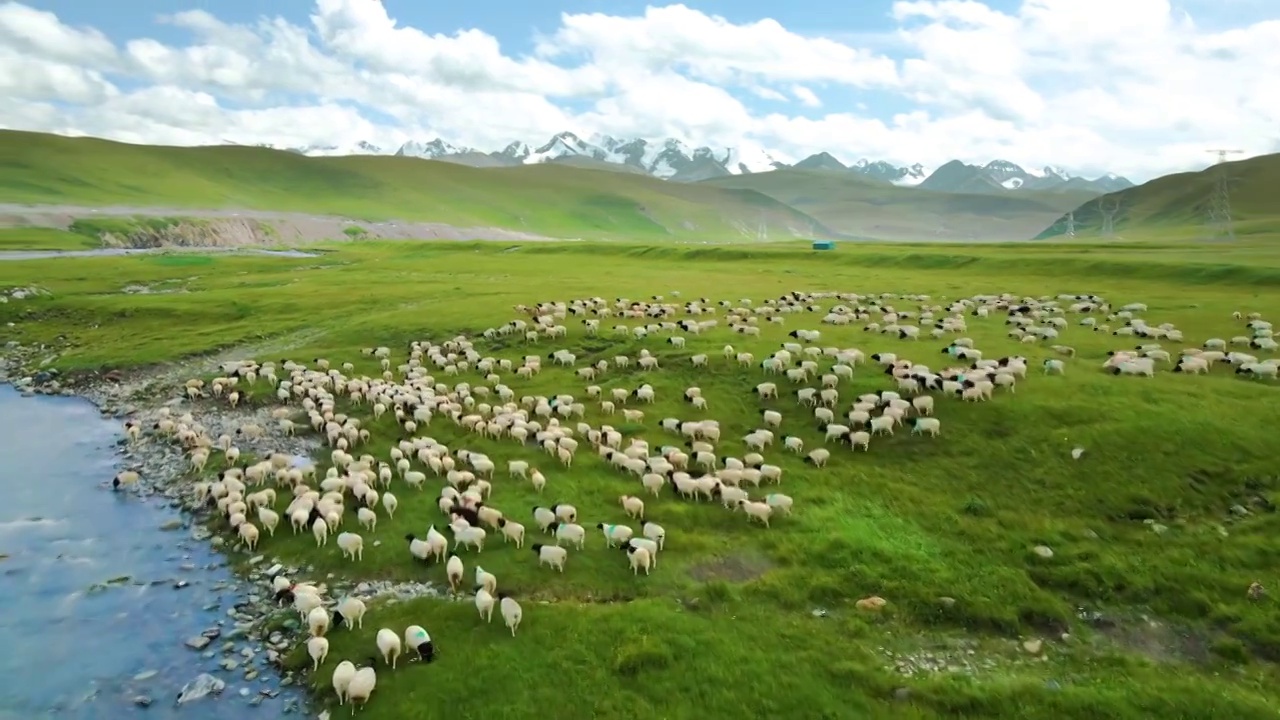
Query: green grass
x: 865, y: 208
x: 1178, y: 206
x: 726, y: 624
x: 31, y: 238
x: 554, y: 199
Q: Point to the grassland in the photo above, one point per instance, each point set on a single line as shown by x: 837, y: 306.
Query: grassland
x: 551, y: 199
x: 45, y: 239
x: 1142, y: 608
x: 866, y: 208
x: 1178, y: 206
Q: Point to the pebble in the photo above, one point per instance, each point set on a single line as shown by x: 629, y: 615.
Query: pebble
x: 1033, y: 646
x: 142, y: 700
x: 1043, y: 551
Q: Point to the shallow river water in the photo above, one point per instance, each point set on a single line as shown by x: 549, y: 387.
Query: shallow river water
x: 98, y: 599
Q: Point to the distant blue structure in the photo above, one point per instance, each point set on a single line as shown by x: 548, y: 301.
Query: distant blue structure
x: 823, y: 245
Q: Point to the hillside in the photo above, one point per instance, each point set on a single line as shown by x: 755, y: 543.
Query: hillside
x: 549, y: 198
x: 1180, y: 204
x: 860, y: 207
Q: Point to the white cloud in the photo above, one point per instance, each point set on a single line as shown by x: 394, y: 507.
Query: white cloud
x: 1133, y: 86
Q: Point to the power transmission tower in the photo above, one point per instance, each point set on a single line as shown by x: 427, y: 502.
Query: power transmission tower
x: 1220, y: 199
x: 1109, y: 210
x: 763, y: 232
x: 1071, y: 224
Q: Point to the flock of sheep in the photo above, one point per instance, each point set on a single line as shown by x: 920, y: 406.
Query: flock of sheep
x: 341, y: 405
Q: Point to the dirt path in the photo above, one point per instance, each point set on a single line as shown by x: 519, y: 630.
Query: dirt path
x: 244, y: 227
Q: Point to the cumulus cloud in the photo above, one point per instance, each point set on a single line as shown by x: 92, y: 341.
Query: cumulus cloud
x: 1135, y: 87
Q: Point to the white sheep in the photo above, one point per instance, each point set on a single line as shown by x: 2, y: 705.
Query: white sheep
x: 318, y: 649
x: 351, y: 545
x: 484, y: 604
x: 389, y: 646
x: 756, y: 511
x: 929, y: 425
x: 633, y: 506
x: 512, y: 613
x: 1054, y: 366
x: 552, y: 556
x: 486, y: 580
x: 361, y: 687
x: 454, y: 570
x: 511, y: 530
x: 342, y: 677
x: 639, y: 558
x: 318, y: 621
x: 350, y: 612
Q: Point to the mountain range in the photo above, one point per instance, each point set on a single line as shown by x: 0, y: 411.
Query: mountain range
x: 671, y: 159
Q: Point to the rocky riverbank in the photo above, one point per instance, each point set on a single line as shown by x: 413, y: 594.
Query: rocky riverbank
x: 254, y: 636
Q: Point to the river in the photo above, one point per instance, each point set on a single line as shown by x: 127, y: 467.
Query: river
x: 98, y: 597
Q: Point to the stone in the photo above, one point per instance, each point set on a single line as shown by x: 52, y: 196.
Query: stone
x: 199, y: 642
x: 171, y: 525
x: 1033, y: 646
x: 142, y: 700
x: 1043, y: 552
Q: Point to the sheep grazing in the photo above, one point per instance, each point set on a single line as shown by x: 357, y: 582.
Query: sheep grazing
x: 362, y: 684
x: 416, y: 637
x: 349, y: 612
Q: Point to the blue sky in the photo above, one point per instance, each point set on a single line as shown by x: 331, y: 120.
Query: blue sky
x: 1090, y: 85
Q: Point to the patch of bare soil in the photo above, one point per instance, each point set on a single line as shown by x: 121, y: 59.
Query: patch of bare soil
x: 1156, y: 640
x: 731, y: 568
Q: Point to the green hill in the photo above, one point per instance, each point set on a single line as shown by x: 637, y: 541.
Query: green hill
x: 862, y: 207
x: 551, y: 199
x: 1178, y: 206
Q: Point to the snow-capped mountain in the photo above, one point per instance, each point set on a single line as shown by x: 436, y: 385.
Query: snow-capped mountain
x: 673, y: 159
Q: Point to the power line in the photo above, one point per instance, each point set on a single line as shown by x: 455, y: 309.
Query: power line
x: 1220, y: 225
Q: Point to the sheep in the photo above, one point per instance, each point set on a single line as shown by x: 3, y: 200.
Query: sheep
x: 544, y: 517
x: 565, y: 512
x: 320, y: 529
x: 1054, y: 366
x: 512, y: 614
x: 390, y: 503
x: 349, y: 611
x: 342, y: 677
x: 416, y: 637
x: 570, y: 532
x: 486, y: 580
x: 248, y: 534
x: 469, y: 536
x: 125, y: 479
x: 929, y: 425
x: 318, y: 649
x: 779, y: 502
x: 818, y: 457
x: 367, y: 518
x: 388, y: 642
x: 454, y: 570
x: 639, y: 558
x: 318, y: 621
x: 361, y: 686
x: 511, y: 530
x: 552, y: 556
x: 351, y: 545
x: 654, y: 532
x: 756, y: 511
x: 633, y: 506
x: 614, y: 534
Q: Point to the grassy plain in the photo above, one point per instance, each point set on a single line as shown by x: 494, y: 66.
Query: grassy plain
x: 1152, y: 555
x: 44, y: 239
